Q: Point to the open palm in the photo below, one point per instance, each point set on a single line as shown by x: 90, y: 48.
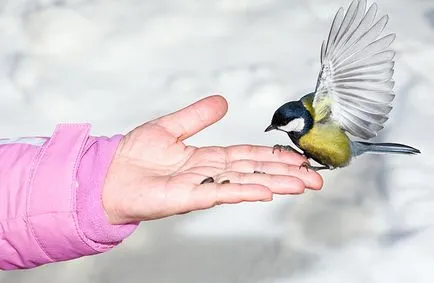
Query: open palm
x: 154, y: 174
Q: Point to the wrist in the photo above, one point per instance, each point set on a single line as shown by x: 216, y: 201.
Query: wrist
x: 94, y: 219
x: 112, y: 193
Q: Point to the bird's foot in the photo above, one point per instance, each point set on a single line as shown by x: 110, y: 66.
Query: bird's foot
x: 284, y: 147
x: 314, y: 168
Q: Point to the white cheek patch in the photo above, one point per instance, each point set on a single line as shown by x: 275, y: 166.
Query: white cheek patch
x: 296, y: 125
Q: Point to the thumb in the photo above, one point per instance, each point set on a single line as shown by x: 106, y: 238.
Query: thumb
x: 190, y: 120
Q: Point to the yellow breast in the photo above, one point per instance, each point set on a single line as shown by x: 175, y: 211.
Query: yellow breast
x: 327, y: 144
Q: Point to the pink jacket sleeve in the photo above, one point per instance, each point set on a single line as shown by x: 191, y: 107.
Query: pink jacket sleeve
x: 50, y: 198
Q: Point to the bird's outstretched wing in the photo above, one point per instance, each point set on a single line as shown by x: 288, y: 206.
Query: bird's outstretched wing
x: 355, y: 86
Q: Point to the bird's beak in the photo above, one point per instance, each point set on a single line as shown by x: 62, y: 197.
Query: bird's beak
x: 269, y: 128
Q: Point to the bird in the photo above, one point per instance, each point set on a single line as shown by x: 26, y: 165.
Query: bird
x: 353, y: 95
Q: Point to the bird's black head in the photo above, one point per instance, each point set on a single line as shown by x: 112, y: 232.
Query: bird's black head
x: 292, y: 118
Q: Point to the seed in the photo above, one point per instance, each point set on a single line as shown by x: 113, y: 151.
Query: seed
x: 207, y: 180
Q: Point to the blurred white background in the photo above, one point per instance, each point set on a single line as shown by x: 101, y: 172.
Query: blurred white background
x: 117, y: 64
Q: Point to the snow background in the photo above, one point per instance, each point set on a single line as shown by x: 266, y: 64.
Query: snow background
x: 117, y: 64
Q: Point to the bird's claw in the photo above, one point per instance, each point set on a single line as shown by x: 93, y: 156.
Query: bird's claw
x: 305, y: 165
x: 314, y: 168
x: 283, y: 147
x: 179, y: 139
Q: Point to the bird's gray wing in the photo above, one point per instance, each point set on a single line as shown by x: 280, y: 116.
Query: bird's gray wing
x: 355, y: 85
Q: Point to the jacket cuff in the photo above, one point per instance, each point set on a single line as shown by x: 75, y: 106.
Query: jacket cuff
x: 94, y: 164
x: 64, y: 211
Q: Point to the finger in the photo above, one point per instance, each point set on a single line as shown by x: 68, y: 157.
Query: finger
x: 278, y: 184
x: 310, y: 178
x: 211, y: 194
x: 263, y: 153
x: 188, y: 121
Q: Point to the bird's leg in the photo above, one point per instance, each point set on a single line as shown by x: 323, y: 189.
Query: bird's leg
x: 284, y: 147
x: 314, y: 168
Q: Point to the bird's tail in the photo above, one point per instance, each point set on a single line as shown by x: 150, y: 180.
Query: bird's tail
x: 359, y: 148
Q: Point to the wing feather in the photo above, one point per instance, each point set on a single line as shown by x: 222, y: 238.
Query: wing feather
x: 377, y: 59
x: 382, y: 68
x: 337, y: 21
x: 358, y: 16
x: 360, y: 29
x: 345, y: 25
x: 368, y: 106
x: 355, y: 84
x: 369, y: 50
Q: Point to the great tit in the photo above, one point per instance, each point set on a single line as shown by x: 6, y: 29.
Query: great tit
x: 353, y: 94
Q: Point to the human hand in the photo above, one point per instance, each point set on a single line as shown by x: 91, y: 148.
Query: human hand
x: 154, y: 174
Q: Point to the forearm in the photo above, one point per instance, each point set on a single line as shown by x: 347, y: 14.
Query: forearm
x: 50, y: 199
